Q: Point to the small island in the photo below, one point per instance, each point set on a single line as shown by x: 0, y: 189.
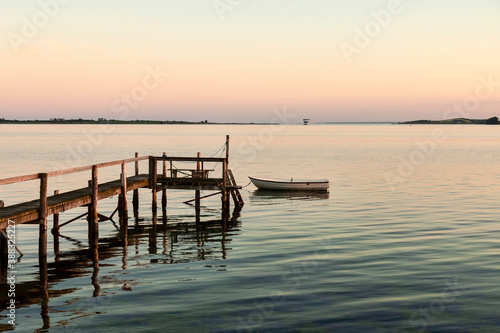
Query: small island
x: 454, y: 121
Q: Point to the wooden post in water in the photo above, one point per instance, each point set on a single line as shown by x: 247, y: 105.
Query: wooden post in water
x: 228, y: 198
x: 42, y: 243
x: 135, y: 199
x: 4, y: 256
x: 227, y: 150
x: 153, y: 235
x: 44, y: 304
x: 225, y: 203
x: 152, y: 184
x: 124, y: 236
x: 55, y: 223
x: 94, y: 249
x: 55, y: 231
x: 94, y: 216
x: 197, y: 192
x: 42, y: 216
x: 123, y: 211
x: 197, y: 205
x: 164, y: 192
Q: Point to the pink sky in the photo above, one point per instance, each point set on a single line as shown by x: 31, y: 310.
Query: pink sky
x: 238, y: 66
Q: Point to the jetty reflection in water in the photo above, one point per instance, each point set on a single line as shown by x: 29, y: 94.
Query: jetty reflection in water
x: 270, y: 197
x: 136, y: 247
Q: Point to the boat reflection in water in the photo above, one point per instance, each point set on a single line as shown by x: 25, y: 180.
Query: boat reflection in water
x: 270, y: 197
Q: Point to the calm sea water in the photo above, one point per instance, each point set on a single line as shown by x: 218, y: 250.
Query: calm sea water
x: 406, y: 240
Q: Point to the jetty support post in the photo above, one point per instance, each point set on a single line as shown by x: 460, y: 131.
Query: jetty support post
x: 228, y: 198
x: 123, y: 208
x: 225, y: 192
x: 3, y: 249
x: 95, y: 198
x: 227, y: 150
x: 197, y: 191
x: 4, y: 252
x: 94, y: 249
x: 135, y: 199
x: 93, y: 217
x: 42, y: 241
x: 42, y: 215
x: 4, y: 256
x: 153, y: 180
x: 55, y: 231
x: 55, y: 221
x: 164, y: 192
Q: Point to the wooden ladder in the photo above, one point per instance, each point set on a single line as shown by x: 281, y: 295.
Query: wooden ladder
x: 235, y: 192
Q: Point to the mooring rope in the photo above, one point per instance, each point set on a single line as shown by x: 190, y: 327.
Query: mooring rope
x: 223, y: 148
x: 250, y: 182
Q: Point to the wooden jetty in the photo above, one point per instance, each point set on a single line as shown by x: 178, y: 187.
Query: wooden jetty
x: 160, y: 177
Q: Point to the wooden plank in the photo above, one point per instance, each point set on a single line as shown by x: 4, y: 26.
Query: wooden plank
x: 190, y: 159
x: 234, y: 189
x: 203, y: 197
x: 99, y: 165
x: 6, y: 238
x: 191, y: 187
x: 200, y: 181
x: 18, y: 179
x: 69, y: 171
x: 73, y: 220
x: 128, y: 160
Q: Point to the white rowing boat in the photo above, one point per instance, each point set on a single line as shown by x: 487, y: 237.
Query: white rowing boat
x: 280, y: 184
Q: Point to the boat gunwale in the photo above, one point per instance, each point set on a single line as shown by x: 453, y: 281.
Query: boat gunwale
x: 279, y: 181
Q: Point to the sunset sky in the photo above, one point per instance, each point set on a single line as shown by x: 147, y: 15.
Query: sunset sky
x: 230, y: 60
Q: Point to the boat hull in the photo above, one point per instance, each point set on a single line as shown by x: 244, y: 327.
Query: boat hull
x: 290, y: 185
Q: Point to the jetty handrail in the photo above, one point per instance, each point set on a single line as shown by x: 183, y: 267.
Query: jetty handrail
x: 19, y: 179
x: 23, y: 178
x: 190, y: 159
x: 153, y: 166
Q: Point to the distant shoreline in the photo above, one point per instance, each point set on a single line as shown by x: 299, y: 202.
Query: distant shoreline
x: 454, y: 121
x: 80, y: 121
x: 59, y: 121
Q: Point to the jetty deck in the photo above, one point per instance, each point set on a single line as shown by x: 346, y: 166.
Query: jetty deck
x: 162, y: 175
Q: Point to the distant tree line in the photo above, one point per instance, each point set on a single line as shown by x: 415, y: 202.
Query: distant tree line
x: 492, y: 121
x: 489, y: 121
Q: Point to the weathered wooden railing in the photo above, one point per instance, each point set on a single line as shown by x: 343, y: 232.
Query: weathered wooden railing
x: 43, y: 211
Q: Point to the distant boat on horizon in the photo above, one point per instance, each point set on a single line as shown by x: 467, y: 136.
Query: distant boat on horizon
x: 306, y: 121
